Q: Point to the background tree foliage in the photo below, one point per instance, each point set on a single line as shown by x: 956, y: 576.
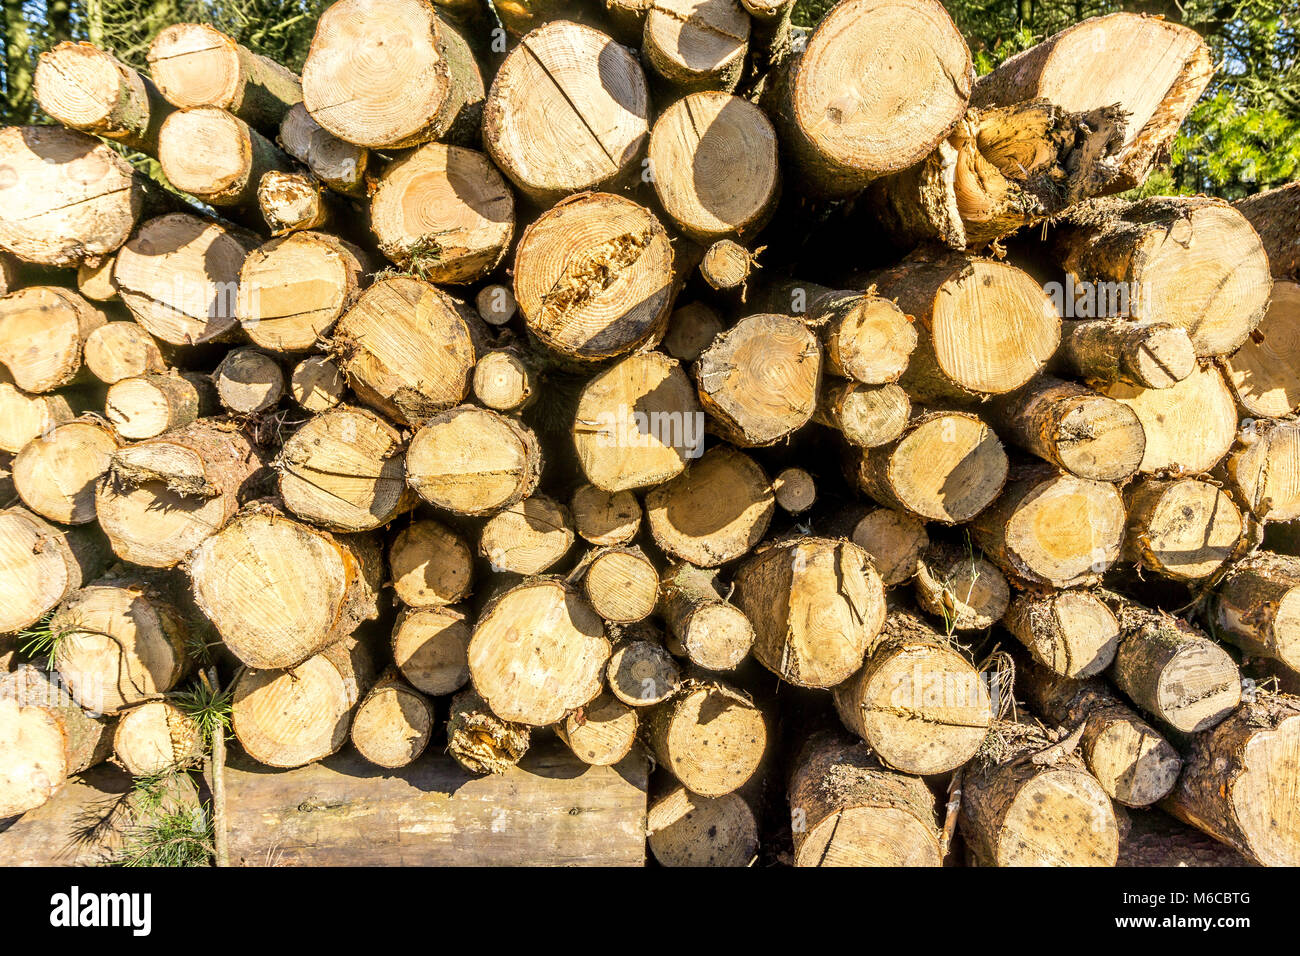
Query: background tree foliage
x: 1243, y: 136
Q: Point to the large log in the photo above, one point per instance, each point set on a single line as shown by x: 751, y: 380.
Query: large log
x: 472, y: 461
x: 56, y: 474
x: 713, y: 159
x: 920, y: 705
x: 1182, y: 528
x: 710, y: 736
x: 1028, y: 802
x: 594, y: 276
x: 848, y: 810
x: 69, y: 197
x: 1152, y: 68
x: 45, y: 738
x: 432, y: 812
x: 43, y: 332
x: 1193, y: 261
x: 1188, y: 425
x: 443, y: 212
x: 41, y: 564
x: 279, y: 591
x: 1231, y: 785
x: 816, y: 606
x: 568, y: 111
x: 984, y: 327
x: 878, y: 85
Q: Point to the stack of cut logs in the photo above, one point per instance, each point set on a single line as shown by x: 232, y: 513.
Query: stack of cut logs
x: 790, y: 406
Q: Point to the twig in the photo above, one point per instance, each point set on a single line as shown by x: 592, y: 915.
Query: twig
x: 217, y: 774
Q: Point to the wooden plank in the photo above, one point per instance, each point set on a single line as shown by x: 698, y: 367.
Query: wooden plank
x: 551, y: 810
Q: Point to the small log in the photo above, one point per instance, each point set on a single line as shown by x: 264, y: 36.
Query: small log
x: 216, y: 156
x: 89, y: 89
x: 715, y: 511
x: 56, y: 474
x: 292, y: 290
x: 896, y: 116
x: 704, y: 628
x: 920, y: 705
x: 156, y: 738
x: 527, y: 537
x: 430, y: 647
x: 472, y: 461
x: 479, y: 740
x: 1028, y: 802
x: 795, y: 490
x: 983, y: 327
x: 1172, y: 670
x: 47, y: 738
x: 1121, y: 351
x: 1052, y: 529
x: 95, y: 282
x: 290, y: 718
x: 605, y: 518
x: 279, y: 591
x: 345, y: 470
x: 600, y: 733
x: 1189, y: 261
x: 714, y: 163
x: 443, y: 212
x: 118, y: 350
x: 294, y: 202
x: 685, y: 829
x: 408, y: 349
x: 691, y: 329
x: 496, y: 304
x: 1134, y: 764
x: 1229, y: 784
x: 538, y: 651
x: 594, y: 277
x: 961, y: 587
x: 70, y: 197
x: 816, y: 606
x: 505, y: 381
x: 431, y: 565
x: 392, y: 724
x: 150, y: 405
x: 846, y: 809
x: 43, y: 332
x: 641, y: 673
x: 195, y: 65
x: 122, y: 641
x: 621, y: 583
x: 317, y: 384
x: 248, y: 381
x: 43, y: 564
x: 179, y: 276
x: 637, y: 423
x: 568, y: 111
x: 1071, y: 633
x: 340, y: 165
x: 946, y: 466
x: 1181, y: 528
x: 710, y: 736
x: 1069, y: 425
x: 1256, y: 605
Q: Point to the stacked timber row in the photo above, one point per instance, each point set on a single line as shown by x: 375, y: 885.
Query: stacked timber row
x: 483, y: 388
